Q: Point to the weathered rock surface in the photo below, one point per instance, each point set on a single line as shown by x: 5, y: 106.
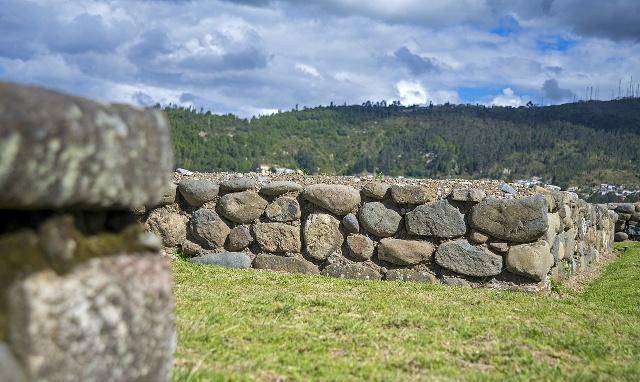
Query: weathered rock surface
x: 242, y: 207
x: 351, y: 271
x: 413, y: 275
x: 198, y: 191
x: 467, y: 195
x: 499, y: 246
x: 533, y: 260
x: 169, y: 196
x: 360, y: 247
x: 322, y: 235
x: 208, y: 229
x: 621, y: 236
x: 236, y: 184
x: 379, y: 220
x: 111, y: 318
x: 555, y: 227
x: 280, y: 187
x: 171, y: 227
x: 61, y: 151
x: 439, y: 219
x: 350, y: 223
x: 478, y: 237
x: 404, y: 252
x: 283, y: 209
x: 462, y: 257
x: 625, y: 208
x: 224, y: 259
x: 239, y: 238
x: 375, y: 190
x: 518, y: 220
x: 338, y: 199
x: 278, y: 237
x: 191, y: 249
x: 284, y: 264
x: 412, y: 194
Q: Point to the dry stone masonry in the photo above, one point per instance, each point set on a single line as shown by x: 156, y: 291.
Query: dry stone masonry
x: 454, y: 232
x: 628, y: 223
x: 84, y: 293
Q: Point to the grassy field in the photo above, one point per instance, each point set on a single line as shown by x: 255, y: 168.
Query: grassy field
x: 250, y: 325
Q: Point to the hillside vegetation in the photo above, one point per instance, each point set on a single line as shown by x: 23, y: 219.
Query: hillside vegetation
x: 251, y: 325
x: 575, y: 144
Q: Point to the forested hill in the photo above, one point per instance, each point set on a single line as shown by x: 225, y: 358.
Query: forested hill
x: 574, y: 144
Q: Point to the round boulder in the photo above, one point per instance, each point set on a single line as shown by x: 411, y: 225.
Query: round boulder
x: 198, y: 191
x: 360, y: 247
x: 379, y: 220
x: 239, y: 238
x: 170, y: 226
x: 404, y: 252
x: 242, y: 207
x: 532, y: 260
x: 208, y: 229
x: 375, y: 190
x: 278, y: 237
x: 322, y: 235
x: 283, y: 209
x: 439, y: 219
x: 350, y: 223
x: 335, y: 198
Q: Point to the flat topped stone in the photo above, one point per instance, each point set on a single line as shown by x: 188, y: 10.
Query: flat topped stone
x: 280, y: 187
x: 61, y: 151
x: 239, y: 183
x: 375, y: 190
x: 439, y: 219
x: 338, y: 199
x: 242, y: 207
x: 404, y: 252
x: 462, y: 257
x: 198, y: 191
x: 411, y: 194
x: 224, y: 259
x: 519, y: 220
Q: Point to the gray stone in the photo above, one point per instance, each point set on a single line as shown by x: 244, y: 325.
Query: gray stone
x: 170, y: 226
x: 626, y: 208
x: 508, y: 189
x: 338, y: 199
x: 198, y: 191
x: 242, y: 207
x: 499, y: 246
x: 350, y: 223
x: 239, y: 238
x: 236, y: 184
x: 351, y: 271
x: 109, y: 319
x: 462, y: 257
x: 404, y: 252
x: 191, y: 249
x: 533, y: 260
x: 375, y: 190
x: 467, y: 195
x: 518, y: 220
x: 280, y: 187
x: 208, y: 229
x: 412, y: 194
x: 360, y: 247
x: 413, y: 275
x: 555, y: 227
x: 379, y: 220
x: 284, y: 264
x: 10, y: 368
x: 60, y: 151
x: 620, y: 236
x: 224, y: 259
x: 439, y: 219
x: 478, y: 237
x: 278, y: 237
x: 283, y: 209
x: 322, y: 235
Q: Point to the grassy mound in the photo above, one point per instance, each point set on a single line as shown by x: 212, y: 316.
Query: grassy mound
x: 250, y: 325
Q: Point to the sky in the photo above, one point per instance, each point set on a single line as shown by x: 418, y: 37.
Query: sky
x: 254, y: 57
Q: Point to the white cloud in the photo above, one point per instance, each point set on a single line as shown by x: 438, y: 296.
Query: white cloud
x: 507, y: 98
x: 411, y: 93
x: 308, y: 69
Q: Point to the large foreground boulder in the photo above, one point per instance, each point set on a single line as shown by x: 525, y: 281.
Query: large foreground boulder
x: 61, y: 151
x: 110, y: 319
x: 518, y: 220
x: 335, y: 198
x: 533, y: 260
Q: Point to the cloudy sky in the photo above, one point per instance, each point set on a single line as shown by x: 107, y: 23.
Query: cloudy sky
x: 256, y: 56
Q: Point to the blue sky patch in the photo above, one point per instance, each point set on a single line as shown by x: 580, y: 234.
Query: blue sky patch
x: 507, y: 25
x: 477, y: 94
x: 555, y: 43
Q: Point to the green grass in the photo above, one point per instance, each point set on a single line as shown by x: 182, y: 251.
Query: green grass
x: 250, y: 325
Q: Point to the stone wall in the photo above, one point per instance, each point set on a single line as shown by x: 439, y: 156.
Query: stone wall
x: 628, y: 223
x: 85, y: 294
x: 454, y: 232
